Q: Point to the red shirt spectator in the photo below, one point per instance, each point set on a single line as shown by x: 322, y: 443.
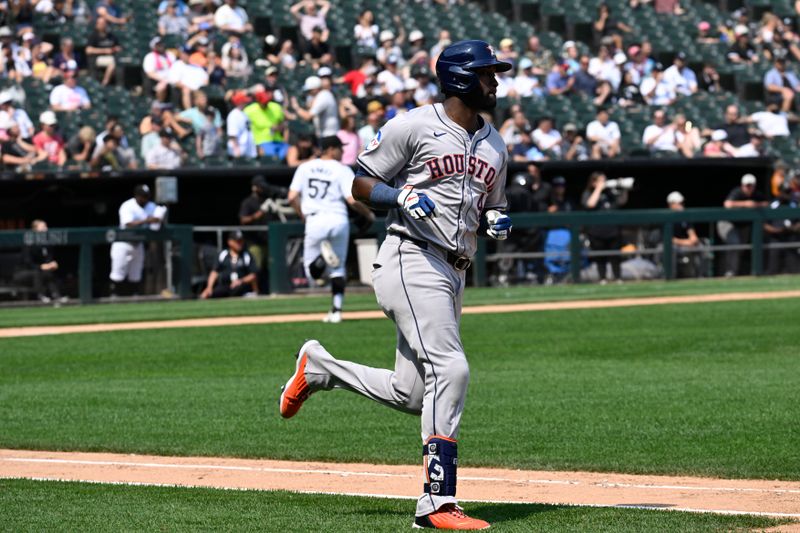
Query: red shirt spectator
x: 49, y: 141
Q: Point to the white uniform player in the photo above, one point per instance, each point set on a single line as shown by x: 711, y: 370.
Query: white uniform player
x: 322, y: 188
x: 127, y: 259
x: 438, y: 170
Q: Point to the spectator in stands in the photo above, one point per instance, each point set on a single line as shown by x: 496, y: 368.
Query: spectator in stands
x: 755, y: 148
x: 35, y: 52
x: 234, y: 60
x: 317, y: 52
x: 709, y: 79
x: 559, y: 203
x: 375, y: 119
x: 782, y: 231
x: 69, y: 96
x: 180, y: 7
x: 102, y: 48
x: 240, y: 136
x: 49, y: 141
x: 606, y: 25
x: 668, y: 7
x: 310, y: 14
x: 167, y: 155
x: 268, y: 125
x: 151, y: 139
x: 604, y: 69
x: 17, y: 152
x: 366, y: 31
x: 351, y: 142
x: 214, y: 70
x: 390, y: 79
x: 640, y: 65
x: 81, y: 146
x: 629, y: 93
x: 304, y: 149
x: 105, y: 9
x: 541, y: 58
x: 109, y: 156
x: 514, y: 126
x: 39, y: 268
x: 680, y: 76
x: 656, y: 90
x: 17, y: 115
x: 208, y: 140
x: 781, y: 85
x: 506, y: 52
x: 418, y: 53
x: 585, y: 82
x: 597, y: 197
x: 772, y: 122
x: 442, y: 42
x: 356, y: 77
x: 66, y: 58
x: 390, y: 47
x: 573, y: 147
x: 742, y: 51
x: 660, y: 136
x: 570, y: 54
x: 604, y: 135
x: 232, y: 18
x: 526, y: 84
x: 322, y: 108
x: 173, y: 22
x: 162, y: 112
x: 734, y: 127
x: 718, y: 145
x: 704, y: 35
x: 196, y: 115
x: 399, y: 103
x: 234, y: 273
x: 505, y: 86
x: 743, y: 197
x: 428, y: 91
x: 525, y: 149
x: 559, y: 80
x: 186, y: 77
x: 768, y: 32
x: 687, y: 137
x: 156, y: 66
x: 201, y: 18
x: 546, y: 137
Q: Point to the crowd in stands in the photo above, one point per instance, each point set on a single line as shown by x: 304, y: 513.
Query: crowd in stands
x: 198, y: 44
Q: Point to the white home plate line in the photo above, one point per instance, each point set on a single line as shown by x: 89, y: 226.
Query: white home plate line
x: 347, y: 473
x: 404, y: 497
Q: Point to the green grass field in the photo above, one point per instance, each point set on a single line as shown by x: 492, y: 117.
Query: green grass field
x: 703, y: 389
x: 171, y: 310
x: 57, y: 506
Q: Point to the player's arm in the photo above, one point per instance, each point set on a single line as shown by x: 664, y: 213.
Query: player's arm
x: 212, y: 280
x: 360, y: 208
x: 294, y: 200
x: 497, y: 220
x: 379, y: 195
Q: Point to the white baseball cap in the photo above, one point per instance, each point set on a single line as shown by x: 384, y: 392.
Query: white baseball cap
x: 411, y: 84
x: 567, y: 45
x: 675, y: 198
x: 311, y: 83
x: 719, y: 135
x: 415, y: 35
x: 748, y: 179
x: 49, y: 118
x: 324, y: 71
x: 740, y: 30
x: 525, y: 63
x: 386, y: 35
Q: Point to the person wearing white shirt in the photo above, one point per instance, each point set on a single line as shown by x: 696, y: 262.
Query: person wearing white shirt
x: 660, y: 136
x: 156, y: 66
x: 19, y: 116
x: 655, y: 90
x: 366, y: 31
x: 167, y: 154
x: 604, y: 135
x: 187, y: 77
x: 604, y: 68
x: 682, y: 79
x: 240, y: 138
x: 772, y: 123
x: 546, y: 137
x: 230, y: 17
x: 312, y: 16
x: 127, y: 259
x: 389, y: 79
x: 69, y: 96
x: 526, y: 84
x: 323, y: 110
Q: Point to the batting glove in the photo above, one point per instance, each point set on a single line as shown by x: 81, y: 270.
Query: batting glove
x: 499, y: 225
x: 416, y: 204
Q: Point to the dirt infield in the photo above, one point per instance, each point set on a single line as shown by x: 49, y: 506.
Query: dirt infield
x: 370, y: 315
x: 772, y: 498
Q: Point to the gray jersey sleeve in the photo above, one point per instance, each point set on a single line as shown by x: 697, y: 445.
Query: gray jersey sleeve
x: 496, y: 196
x: 385, y: 156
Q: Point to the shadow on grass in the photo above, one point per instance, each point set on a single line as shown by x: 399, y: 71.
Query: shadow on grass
x: 507, y: 512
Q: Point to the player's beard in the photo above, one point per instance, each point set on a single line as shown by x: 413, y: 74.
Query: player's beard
x: 479, y: 100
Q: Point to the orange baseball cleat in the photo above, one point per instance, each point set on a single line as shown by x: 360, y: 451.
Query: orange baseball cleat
x: 449, y: 516
x: 296, y: 390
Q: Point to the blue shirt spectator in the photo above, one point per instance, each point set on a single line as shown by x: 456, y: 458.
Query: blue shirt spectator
x: 559, y: 81
x: 780, y: 77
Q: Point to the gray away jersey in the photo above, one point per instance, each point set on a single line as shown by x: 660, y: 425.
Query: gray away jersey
x: 463, y: 176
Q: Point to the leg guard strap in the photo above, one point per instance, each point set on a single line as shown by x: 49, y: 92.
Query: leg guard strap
x: 440, y: 456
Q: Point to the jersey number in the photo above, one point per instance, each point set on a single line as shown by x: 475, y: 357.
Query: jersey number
x: 316, y: 185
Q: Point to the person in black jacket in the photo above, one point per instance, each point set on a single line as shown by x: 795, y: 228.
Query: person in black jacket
x: 39, y: 269
x: 235, y: 272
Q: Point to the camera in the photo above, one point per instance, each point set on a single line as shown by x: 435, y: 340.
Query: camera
x: 624, y: 184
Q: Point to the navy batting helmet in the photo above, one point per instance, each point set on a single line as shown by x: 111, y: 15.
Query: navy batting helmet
x: 457, y: 62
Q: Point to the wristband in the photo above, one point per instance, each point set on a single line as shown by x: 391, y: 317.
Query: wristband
x: 383, y: 197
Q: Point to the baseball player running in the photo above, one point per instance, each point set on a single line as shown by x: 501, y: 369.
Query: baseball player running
x: 436, y: 169
x: 320, y: 193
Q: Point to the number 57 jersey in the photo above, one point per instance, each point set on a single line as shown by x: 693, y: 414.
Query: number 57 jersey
x: 323, y: 185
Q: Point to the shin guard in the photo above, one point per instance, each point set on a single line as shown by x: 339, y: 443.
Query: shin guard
x: 440, y: 457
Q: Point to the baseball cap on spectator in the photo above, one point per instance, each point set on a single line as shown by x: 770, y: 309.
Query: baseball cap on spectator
x: 331, y: 141
x: 719, y: 135
x: 525, y: 63
x: 5, y: 31
x: 49, y: 118
x: 410, y: 85
x: 6, y: 122
x: 155, y: 41
x: 264, y: 96
x: 374, y: 106
x: 196, y: 2
x: 165, y: 133
x: 567, y: 45
x: 271, y: 71
x: 386, y: 35
x: 506, y: 42
x: 704, y: 26
x: 620, y: 58
x: 311, y: 83
x: 72, y: 65
x: 659, y: 67
x: 28, y: 36
x: 317, y: 29
x: 740, y: 30
x: 141, y: 190
x: 324, y: 72
x: 239, y: 98
x: 633, y: 51
x: 559, y: 181
x: 271, y: 40
x: 415, y: 35
x: 748, y: 179
x: 569, y: 126
x: 675, y: 197
x: 5, y: 98
x: 681, y: 56
x: 392, y: 59
x: 236, y: 235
